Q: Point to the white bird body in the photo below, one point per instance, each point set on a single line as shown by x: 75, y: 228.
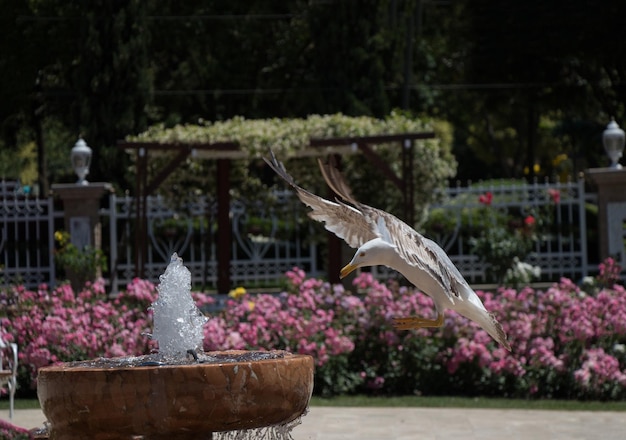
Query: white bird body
x: 383, y: 239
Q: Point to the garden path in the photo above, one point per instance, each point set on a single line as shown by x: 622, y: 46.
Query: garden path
x: 330, y: 423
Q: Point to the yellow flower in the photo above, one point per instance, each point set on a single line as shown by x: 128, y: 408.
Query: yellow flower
x: 62, y: 237
x: 237, y: 293
x: 558, y: 159
x: 251, y: 305
x: 536, y: 169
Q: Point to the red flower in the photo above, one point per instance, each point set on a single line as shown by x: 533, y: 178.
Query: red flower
x: 486, y: 198
x: 529, y: 221
x: 555, y: 194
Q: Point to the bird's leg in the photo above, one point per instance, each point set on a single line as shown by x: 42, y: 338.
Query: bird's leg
x: 193, y: 354
x: 416, y: 322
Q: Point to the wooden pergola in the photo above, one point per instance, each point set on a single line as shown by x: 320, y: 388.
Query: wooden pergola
x: 225, y: 152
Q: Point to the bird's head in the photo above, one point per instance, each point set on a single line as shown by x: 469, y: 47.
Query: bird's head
x: 373, y: 253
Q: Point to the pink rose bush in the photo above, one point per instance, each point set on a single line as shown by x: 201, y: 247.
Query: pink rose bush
x: 567, y: 342
x: 8, y: 431
x: 60, y: 325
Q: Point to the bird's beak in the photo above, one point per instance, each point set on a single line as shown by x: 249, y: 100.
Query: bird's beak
x: 348, y: 268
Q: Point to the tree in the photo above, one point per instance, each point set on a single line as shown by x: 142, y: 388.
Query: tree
x: 522, y: 82
x: 112, y: 80
x: 534, y: 60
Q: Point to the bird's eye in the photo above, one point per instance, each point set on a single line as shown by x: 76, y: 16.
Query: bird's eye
x: 362, y: 254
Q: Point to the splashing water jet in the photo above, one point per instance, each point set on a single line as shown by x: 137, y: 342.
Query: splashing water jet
x: 177, y: 320
x: 231, y: 394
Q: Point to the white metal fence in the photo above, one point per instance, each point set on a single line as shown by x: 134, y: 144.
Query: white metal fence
x: 559, y: 229
x: 26, y: 237
x: 267, y: 241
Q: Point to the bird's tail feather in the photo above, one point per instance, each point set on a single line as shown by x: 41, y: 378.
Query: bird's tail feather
x: 494, y: 328
x: 490, y: 324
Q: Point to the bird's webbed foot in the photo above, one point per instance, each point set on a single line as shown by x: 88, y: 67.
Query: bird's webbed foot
x: 413, y: 322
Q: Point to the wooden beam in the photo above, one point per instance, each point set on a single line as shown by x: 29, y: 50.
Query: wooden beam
x: 409, y: 186
x: 165, y: 146
x: 333, y: 242
x: 143, y: 189
x: 166, y: 171
x: 381, y: 165
x: 224, y: 227
x: 141, y: 215
x: 223, y: 186
x: 379, y: 139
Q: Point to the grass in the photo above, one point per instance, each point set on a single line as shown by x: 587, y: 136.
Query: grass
x: 427, y: 402
x: 469, y: 402
x: 19, y: 403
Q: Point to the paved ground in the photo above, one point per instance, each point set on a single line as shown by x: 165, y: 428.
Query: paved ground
x: 433, y: 423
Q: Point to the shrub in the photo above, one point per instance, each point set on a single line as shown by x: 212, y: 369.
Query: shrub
x: 60, y: 325
x: 8, y: 431
x: 80, y: 265
x: 567, y: 343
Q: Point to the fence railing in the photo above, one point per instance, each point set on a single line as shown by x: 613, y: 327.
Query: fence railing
x: 554, y: 213
x: 267, y: 240
x: 26, y: 237
x: 270, y: 239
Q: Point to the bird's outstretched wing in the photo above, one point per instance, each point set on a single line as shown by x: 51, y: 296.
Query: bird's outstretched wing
x: 427, y: 257
x: 335, y: 180
x: 413, y: 247
x: 346, y: 222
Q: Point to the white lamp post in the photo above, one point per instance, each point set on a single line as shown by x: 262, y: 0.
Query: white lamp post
x: 81, y: 159
x: 613, y: 140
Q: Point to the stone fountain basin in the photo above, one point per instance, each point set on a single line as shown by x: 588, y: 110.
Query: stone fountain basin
x: 174, y: 401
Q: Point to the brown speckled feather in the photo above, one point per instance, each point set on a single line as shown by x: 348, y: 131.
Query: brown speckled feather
x: 346, y: 222
x: 413, y: 247
x: 358, y: 224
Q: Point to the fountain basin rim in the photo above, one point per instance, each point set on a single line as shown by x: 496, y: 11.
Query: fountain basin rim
x: 225, y: 357
x: 81, y: 402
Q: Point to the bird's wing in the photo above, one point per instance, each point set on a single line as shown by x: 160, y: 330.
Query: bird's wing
x: 418, y: 251
x: 346, y: 222
x: 335, y: 180
x: 361, y: 223
x: 414, y: 248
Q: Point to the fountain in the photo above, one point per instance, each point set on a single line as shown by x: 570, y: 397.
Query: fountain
x: 179, y: 392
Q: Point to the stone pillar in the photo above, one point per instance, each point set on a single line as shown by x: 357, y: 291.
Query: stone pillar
x: 81, y: 204
x: 611, y: 184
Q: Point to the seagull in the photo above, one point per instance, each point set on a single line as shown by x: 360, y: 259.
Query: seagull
x: 382, y: 239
